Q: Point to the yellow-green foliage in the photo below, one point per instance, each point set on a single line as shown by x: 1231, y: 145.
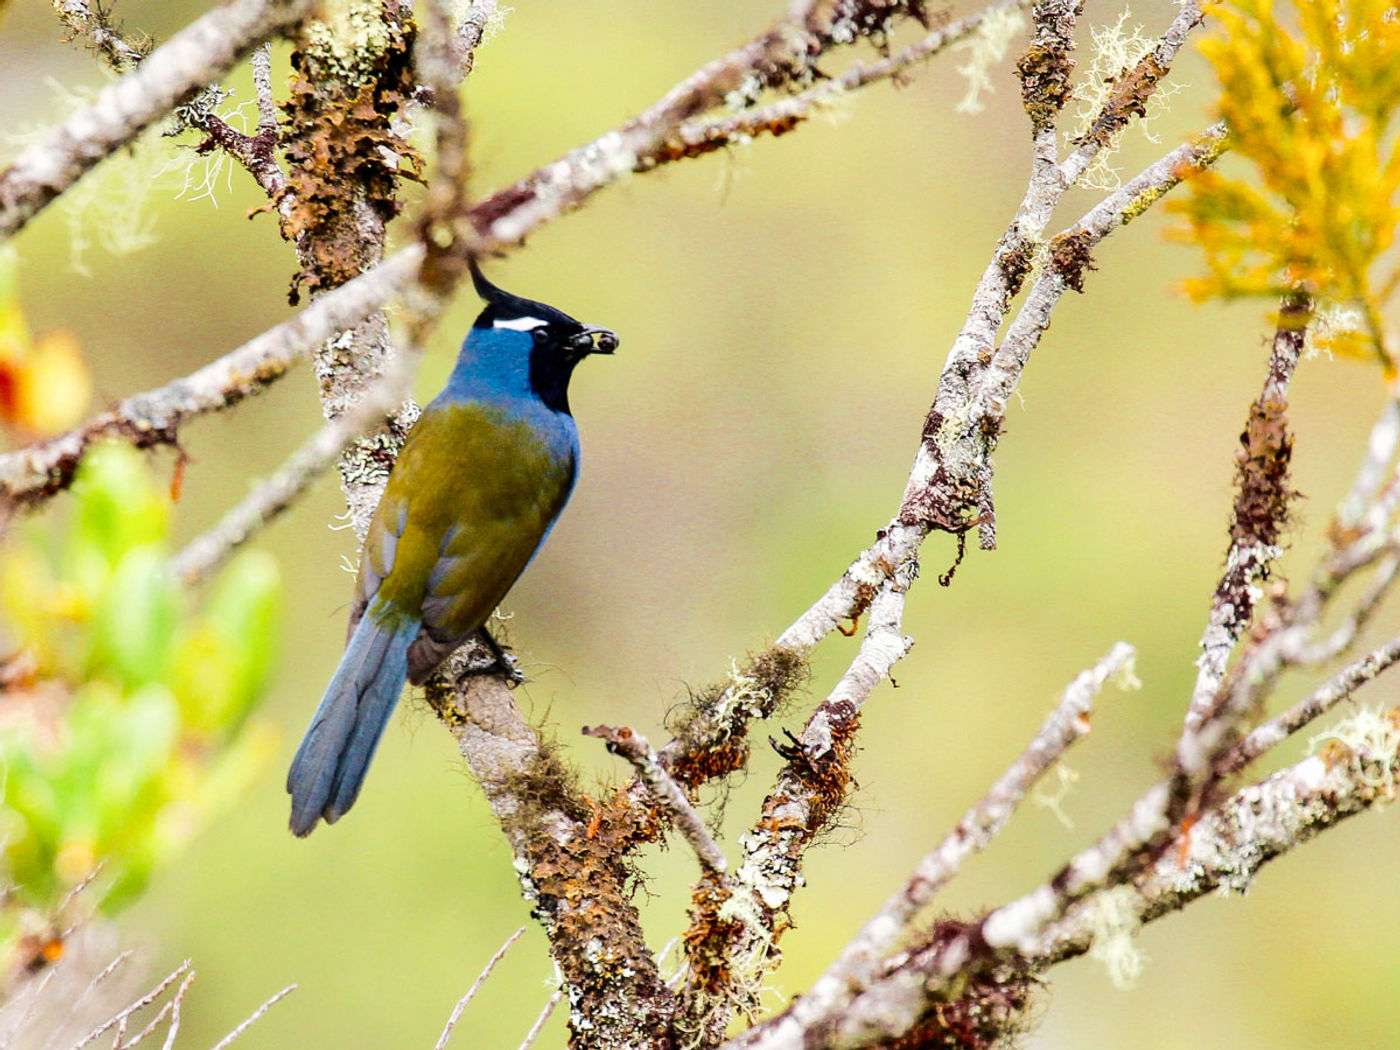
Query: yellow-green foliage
x: 124, y: 711
x: 1311, y: 96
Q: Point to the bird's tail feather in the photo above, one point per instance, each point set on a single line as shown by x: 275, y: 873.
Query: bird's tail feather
x: 330, y: 765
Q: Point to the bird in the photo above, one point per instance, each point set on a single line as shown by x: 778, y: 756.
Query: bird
x: 482, y: 477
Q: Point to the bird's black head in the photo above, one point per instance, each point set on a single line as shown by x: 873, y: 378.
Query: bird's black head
x: 557, y: 341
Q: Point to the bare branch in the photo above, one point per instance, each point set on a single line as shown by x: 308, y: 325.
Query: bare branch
x: 140, y: 1004
x: 176, y: 1004
x: 193, y: 57
x: 476, y: 987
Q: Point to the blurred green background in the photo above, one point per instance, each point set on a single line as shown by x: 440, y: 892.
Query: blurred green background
x: 784, y: 311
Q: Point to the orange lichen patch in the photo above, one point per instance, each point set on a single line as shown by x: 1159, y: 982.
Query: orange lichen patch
x: 1183, y: 842
x: 708, y: 939
x: 694, y: 768
x: 595, y: 820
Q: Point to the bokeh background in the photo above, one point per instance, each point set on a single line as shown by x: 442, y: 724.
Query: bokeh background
x: 784, y: 311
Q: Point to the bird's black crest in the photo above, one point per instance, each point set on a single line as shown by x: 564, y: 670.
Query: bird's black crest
x: 503, y: 306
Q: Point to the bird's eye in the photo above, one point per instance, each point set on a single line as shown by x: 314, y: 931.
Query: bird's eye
x: 541, y: 335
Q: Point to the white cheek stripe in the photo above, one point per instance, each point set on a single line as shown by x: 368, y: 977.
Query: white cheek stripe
x: 521, y: 324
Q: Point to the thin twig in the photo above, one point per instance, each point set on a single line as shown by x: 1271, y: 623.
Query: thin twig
x: 121, y: 1043
x: 121, y: 1016
x: 538, y: 1026
x: 254, y: 1017
x: 476, y: 987
x: 631, y: 745
x: 177, y: 1003
x: 1340, y: 687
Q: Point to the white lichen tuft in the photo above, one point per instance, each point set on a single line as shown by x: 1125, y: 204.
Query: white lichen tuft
x: 1373, y: 739
x: 111, y: 208
x: 494, y: 25
x: 1115, y: 923
x: 749, y: 91
x: 743, y: 697
x: 986, y: 49
x: 1052, y: 797
x: 1117, y: 47
x: 1125, y: 678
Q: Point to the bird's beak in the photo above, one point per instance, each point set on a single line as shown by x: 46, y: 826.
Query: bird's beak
x: 595, y: 340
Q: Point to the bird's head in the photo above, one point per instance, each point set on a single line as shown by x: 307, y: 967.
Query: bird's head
x: 554, y: 341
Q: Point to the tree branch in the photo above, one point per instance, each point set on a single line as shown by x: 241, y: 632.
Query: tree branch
x: 154, y: 417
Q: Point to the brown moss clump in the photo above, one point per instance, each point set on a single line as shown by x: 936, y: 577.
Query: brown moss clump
x: 1016, y: 262
x: 1129, y: 100
x: 711, y: 728
x: 1261, y: 473
x: 1045, y: 82
x: 1070, y: 256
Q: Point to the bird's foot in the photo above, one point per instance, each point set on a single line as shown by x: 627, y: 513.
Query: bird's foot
x: 496, y: 660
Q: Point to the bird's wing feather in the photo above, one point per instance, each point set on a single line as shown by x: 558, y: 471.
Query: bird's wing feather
x: 381, y: 544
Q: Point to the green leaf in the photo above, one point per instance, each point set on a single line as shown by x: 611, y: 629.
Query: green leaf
x: 119, y: 505
x: 136, y: 618
x: 245, y: 610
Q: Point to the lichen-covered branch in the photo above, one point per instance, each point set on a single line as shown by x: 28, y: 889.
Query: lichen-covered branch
x: 695, y: 137
x: 197, y: 55
x: 782, y: 58
x: 569, y: 859
x: 1226, y: 848
x: 856, y: 966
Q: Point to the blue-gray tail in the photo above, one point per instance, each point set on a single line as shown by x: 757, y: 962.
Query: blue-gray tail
x: 330, y: 765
